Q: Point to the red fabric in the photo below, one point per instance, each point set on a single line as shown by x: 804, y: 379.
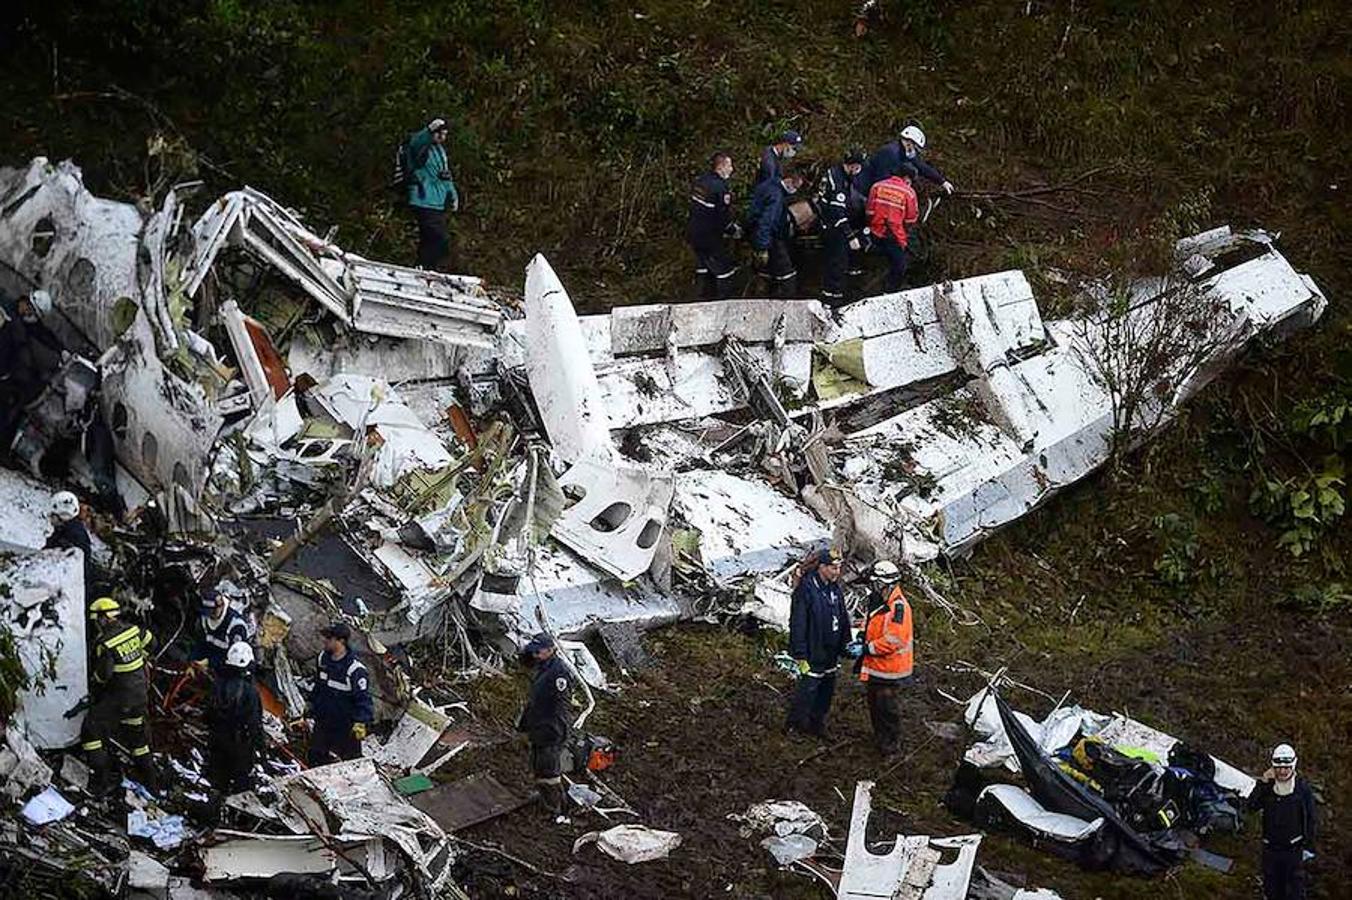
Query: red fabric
x: 892, y: 208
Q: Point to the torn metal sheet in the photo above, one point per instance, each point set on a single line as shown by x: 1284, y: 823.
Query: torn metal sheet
x: 647, y: 329
x: 1022, y: 806
x: 616, y: 516
x: 470, y: 800
x: 407, y: 444
x: 42, y: 605
x: 353, y: 799
x: 869, y: 876
x: 391, y: 359
x: 414, y: 735
x: 25, y: 525
x: 240, y: 856
x: 745, y: 525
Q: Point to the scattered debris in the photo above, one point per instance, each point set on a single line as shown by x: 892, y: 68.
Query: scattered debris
x: 631, y: 843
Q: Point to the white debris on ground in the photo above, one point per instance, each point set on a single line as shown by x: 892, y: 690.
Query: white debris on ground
x: 631, y: 843
x: 325, y: 436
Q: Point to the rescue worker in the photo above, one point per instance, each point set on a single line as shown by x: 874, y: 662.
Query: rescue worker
x: 710, y: 223
x: 1287, y: 804
x: 547, y: 720
x: 235, y: 723
x: 222, y: 628
x: 431, y: 192
x: 771, y: 230
x: 892, y: 209
x: 834, y: 191
x: 341, y: 700
x: 887, y: 654
x: 819, y: 634
x: 118, y: 685
x: 906, y: 149
x: 772, y: 157
x: 69, y: 531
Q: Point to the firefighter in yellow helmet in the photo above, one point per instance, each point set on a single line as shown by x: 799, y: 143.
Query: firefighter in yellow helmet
x: 118, y: 657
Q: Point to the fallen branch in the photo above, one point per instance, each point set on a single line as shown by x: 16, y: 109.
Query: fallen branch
x: 485, y: 848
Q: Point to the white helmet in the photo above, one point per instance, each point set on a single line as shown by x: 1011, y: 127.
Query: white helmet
x: 913, y: 134
x: 42, y: 301
x: 65, y: 505
x: 240, y: 655
x: 1284, y: 755
x: 885, y: 569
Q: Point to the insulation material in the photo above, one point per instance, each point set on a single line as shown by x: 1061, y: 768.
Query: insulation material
x: 42, y: 604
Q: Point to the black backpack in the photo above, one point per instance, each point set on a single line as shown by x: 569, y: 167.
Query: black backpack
x: 405, y: 163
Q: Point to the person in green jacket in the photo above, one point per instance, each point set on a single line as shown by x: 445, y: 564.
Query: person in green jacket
x: 431, y: 191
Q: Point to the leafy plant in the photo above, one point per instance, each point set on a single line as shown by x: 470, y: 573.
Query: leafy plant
x: 1304, y: 507
x: 1318, y: 598
x: 1177, y: 563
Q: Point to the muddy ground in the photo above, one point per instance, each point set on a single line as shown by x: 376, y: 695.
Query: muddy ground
x: 700, y: 738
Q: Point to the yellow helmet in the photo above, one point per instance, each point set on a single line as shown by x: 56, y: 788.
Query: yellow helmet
x: 103, y: 605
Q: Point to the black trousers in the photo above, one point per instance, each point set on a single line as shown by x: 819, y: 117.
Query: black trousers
x: 1283, y: 874
x: 119, y: 709
x: 230, y: 762
x: 781, y: 271
x: 329, y: 744
x: 434, y: 240
x: 835, y: 265
x: 897, y: 259
x: 546, y: 764
x: 884, y: 711
x: 713, y: 271
x: 811, y: 702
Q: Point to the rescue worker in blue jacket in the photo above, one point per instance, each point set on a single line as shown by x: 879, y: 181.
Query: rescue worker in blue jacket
x: 772, y: 157
x: 234, y: 723
x: 69, y: 532
x: 547, y: 720
x: 222, y: 628
x: 839, y: 237
x: 771, y: 229
x: 341, y: 700
x: 906, y: 149
x: 431, y: 192
x: 710, y: 223
x: 819, y: 635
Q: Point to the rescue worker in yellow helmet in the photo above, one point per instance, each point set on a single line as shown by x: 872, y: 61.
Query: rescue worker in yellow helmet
x: 888, y: 655
x: 118, y: 653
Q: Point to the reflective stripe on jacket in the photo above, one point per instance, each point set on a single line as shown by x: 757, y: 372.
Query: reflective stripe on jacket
x: 888, y: 637
x: 892, y: 208
x: 123, y: 653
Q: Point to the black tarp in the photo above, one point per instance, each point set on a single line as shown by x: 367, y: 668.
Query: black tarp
x: 1116, y: 845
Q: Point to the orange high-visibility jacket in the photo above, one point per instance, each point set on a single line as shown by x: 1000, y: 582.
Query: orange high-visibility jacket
x: 891, y: 209
x: 888, y: 638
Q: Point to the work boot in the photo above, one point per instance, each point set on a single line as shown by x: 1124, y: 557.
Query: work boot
x: 146, y: 775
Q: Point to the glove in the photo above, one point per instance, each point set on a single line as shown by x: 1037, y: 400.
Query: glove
x: 359, y: 730
x: 948, y: 187
x: 854, y: 649
x: 1306, y: 855
x: 455, y: 205
x: 436, y: 125
x: 735, y: 231
x: 803, y: 667
x: 762, y: 258
x: 854, y: 243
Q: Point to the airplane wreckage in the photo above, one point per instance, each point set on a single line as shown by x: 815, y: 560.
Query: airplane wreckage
x: 323, y: 435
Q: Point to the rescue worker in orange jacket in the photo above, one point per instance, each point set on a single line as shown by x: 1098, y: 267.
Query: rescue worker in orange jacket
x: 892, y: 209
x: 888, y: 655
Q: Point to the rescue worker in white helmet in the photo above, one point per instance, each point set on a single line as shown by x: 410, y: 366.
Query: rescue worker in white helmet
x: 118, y: 685
x: 235, y: 722
x: 888, y: 654
x: 1287, y: 805
x: 69, y: 531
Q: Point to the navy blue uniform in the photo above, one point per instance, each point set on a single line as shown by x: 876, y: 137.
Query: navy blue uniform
x: 216, y: 640
x: 710, y: 222
x: 73, y: 534
x: 1288, y: 832
x: 546, y: 721
x: 341, y: 697
x: 771, y: 166
x: 887, y: 160
x: 819, y: 630
x: 771, y: 230
x: 833, y: 203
